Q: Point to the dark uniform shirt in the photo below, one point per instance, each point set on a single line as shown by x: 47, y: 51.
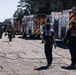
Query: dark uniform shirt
x: 71, y: 37
x: 48, y: 36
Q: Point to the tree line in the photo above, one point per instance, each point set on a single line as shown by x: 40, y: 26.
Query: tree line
x: 27, y: 7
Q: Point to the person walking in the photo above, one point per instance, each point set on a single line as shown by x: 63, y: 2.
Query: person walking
x: 49, y: 40
x: 13, y: 32
x: 70, y: 40
x: 10, y: 33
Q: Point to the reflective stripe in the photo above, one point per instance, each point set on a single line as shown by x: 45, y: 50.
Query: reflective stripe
x: 71, y: 18
x: 37, y: 31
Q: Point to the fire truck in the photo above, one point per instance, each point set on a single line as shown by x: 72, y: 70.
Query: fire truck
x: 17, y: 25
x: 33, y: 24
x: 62, y: 22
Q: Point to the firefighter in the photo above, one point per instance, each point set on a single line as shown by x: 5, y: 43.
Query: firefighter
x: 49, y: 40
x: 70, y: 39
x: 10, y: 33
x: 1, y: 32
x: 13, y: 32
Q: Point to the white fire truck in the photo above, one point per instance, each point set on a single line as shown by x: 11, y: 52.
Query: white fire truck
x: 17, y: 25
x: 33, y: 24
x: 61, y: 22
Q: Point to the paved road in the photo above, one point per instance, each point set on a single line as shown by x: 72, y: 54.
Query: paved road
x: 26, y: 57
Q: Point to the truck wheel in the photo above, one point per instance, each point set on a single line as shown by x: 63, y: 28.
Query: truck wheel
x: 24, y: 34
x: 1, y: 36
x: 62, y: 40
x: 33, y: 36
x: 10, y: 39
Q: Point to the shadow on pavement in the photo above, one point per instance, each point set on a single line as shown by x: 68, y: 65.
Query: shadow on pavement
x: 42, y: 68
x: 6, y: 41
x: 61, y: 45
x: 29, y: 38
x: 69, y: 67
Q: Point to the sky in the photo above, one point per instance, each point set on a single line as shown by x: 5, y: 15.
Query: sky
x: 7, y: 8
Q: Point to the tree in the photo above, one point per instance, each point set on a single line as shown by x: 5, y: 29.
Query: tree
x: 46, y: 6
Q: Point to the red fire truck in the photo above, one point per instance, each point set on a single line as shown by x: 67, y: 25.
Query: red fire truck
x: 17, y: 25
x: 33, y: 24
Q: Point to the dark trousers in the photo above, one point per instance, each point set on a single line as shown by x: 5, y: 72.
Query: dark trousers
x: 48, y: 53
x: 73, y: 54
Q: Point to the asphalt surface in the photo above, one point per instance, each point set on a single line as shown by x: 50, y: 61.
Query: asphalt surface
x: 25, y: 56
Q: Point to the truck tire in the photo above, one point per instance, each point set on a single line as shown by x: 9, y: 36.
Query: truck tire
x: 24, y: 34
x: 32, y: 36
x: 62, y: 40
